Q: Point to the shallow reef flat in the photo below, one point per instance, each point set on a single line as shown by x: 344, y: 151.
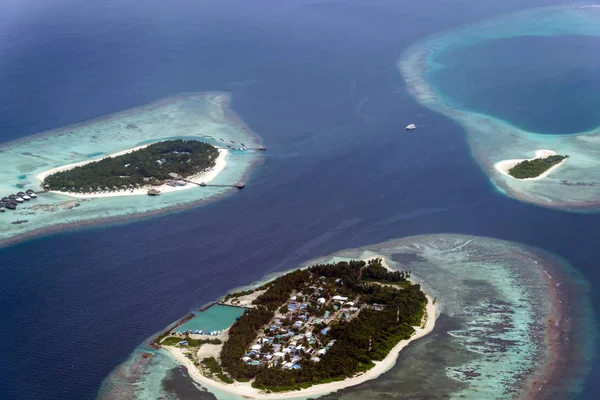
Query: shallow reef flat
x: 515, y: 322
x: 574, y: 186
x: 202, y: 116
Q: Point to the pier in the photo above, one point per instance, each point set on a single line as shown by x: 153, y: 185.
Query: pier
x: 239, y: 185
x: 207, y: 306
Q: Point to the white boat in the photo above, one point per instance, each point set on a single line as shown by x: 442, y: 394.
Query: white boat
x: 26, y: 198
x: 411, y: 127
x: 19, y: 200
x: 33, y: 195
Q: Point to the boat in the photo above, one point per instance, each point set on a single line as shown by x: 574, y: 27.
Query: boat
x: 26, y: 198
x: 32, y: 195
x: 262, y: 148
x: 153, y: 192
x: 411, y: 127
x: 240, y: 185
x: 11, y: 206
x: 19, y: 200
x: 202, y: 183
x: 2, y: 209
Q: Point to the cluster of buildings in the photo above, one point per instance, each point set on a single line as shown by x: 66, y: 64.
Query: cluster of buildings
x: 11, y: 201
x: 300, y: 330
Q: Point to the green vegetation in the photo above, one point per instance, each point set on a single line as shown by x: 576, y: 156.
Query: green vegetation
x: 224, y: 378
x: 212, y: 364
x: 535, y: 167
x: 151, y: 164
x: 171, y: 341
x: 175, y: 340
x: 387, y: 316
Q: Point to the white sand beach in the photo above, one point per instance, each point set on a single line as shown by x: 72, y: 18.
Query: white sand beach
x: 505, y: 165
x: 205, y: 177
x: 245, y: 389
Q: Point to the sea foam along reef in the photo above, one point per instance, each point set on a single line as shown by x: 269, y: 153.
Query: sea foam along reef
x: 491, y: 139
x: 515, y: 321
x: 201, y: 116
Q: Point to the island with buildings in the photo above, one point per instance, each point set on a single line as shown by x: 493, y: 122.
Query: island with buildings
x: 167, y: 162
x: 313, y: 330
x: 171, y: 154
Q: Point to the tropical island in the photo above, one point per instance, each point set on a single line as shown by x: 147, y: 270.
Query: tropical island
x: 325, y: 327
x: 536, y: 167
x: 153, y: 164
x: 539, y: 167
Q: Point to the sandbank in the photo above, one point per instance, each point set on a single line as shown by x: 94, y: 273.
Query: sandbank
x: 245, y: 389
x: 505, y: 165
x: 205, y: 177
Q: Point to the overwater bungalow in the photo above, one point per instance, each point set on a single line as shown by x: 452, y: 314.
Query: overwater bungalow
x: 21, y: 194
x: 5, y: 199
x: 29, y: 191
x: 12, y: 196
x: 11, y: 206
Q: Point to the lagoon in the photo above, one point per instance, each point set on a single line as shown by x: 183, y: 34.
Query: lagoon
x: 214, y: 318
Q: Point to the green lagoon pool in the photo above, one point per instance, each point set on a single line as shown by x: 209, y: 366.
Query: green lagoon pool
x: 215, y: 318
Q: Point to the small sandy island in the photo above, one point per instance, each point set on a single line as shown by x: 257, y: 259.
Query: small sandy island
x: 245, y: 389
x: 505, y: 165
x: 205, y: 177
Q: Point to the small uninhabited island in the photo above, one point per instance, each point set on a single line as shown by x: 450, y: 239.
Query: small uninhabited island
x: 536, y: 167
x: 544, y: 162
x: 314, y: 330
x: 167, y: 162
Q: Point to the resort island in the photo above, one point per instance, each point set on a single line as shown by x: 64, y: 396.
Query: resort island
x: 189, y: 149
x: 544, y: 162
x: 313, y: 330
x: 167, y: 162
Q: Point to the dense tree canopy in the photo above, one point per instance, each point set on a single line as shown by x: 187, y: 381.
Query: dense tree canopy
x: 155, y: 162
x: 534, y: 168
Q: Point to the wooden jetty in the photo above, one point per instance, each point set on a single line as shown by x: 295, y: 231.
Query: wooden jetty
x: 207, y: 306
x: 239, y: 185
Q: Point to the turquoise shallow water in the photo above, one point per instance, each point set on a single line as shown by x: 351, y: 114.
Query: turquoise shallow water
x: 575, y: 186
x: 544, y: 84
x: 215, y: 318
x: 493, y: 338
x: 200, y: 116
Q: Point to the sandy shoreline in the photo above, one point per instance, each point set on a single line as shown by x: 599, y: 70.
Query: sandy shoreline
x: 245, y: 389
x: 505, y: 165
x: 205, y: 177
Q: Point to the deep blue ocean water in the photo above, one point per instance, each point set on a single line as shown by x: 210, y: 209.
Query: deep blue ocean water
x: 545, y: 84
x: 318, y: 81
